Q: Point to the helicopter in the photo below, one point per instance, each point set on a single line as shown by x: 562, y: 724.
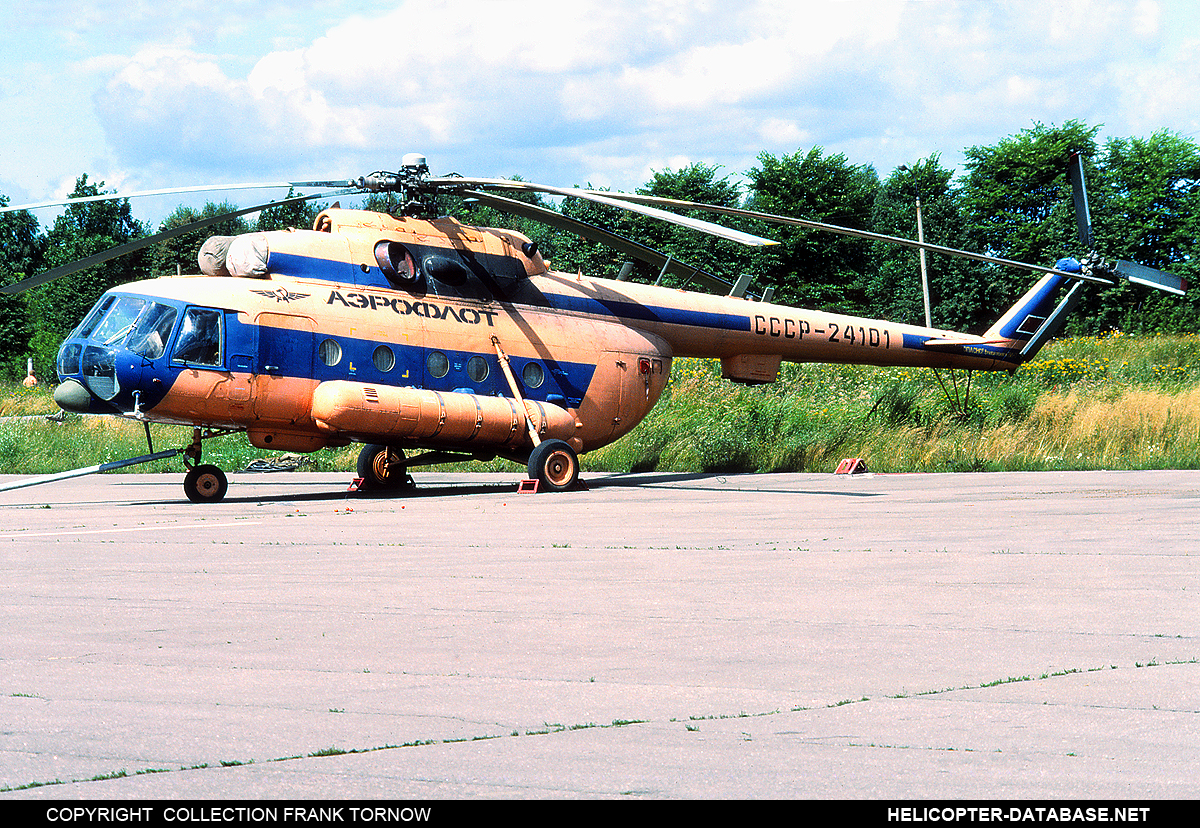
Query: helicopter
x: 412, y: 332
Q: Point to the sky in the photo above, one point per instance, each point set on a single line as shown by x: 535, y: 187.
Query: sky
x: 566, y: 92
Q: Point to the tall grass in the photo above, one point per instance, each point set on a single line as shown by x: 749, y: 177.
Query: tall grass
x: 1115, y: 402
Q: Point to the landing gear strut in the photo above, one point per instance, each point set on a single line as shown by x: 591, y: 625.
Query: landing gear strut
x: 203, y: 483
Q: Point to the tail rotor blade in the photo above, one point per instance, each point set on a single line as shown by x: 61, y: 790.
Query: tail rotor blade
x: 1142, y: 275
x: 1083, y: 217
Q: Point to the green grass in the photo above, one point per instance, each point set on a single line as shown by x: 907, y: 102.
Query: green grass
x: 1086, y: 403
x: 1115, y: 402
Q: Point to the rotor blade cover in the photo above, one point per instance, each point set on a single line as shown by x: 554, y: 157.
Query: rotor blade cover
x: 611, y: 200
x: 597, y: 234
x: 212, y: 255
x: 248, y: 256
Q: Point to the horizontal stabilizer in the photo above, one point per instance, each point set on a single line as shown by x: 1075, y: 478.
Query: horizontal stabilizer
x: 1142, y: 275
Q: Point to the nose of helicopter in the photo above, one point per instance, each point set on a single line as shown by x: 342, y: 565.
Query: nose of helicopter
x: 70, y: 395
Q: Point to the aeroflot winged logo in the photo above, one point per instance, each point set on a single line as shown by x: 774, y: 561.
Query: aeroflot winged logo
x: 281, y: 294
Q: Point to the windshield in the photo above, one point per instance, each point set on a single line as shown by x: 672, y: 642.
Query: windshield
x: 93, y: 319
x: 152, y: 330
x: 142, y: 325
x: 119, y: 321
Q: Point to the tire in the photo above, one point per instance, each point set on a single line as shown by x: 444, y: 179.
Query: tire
x: 554, y: 465
x: 382, y: 468
x: 205, y: 484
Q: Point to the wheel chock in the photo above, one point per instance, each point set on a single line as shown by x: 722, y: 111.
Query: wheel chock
x: 528, y: 487
x: 852, y: 465
x: 355, y: 485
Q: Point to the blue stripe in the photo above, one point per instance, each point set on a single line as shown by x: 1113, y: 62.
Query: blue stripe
x: 310, y: 267
x: 649, y: 313
x: 1040, y: 303
x: 565, y: 382
x: 918, y: 341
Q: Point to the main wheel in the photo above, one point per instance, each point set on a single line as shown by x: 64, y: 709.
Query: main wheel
x: 555, y: 465
x: 383, y: 467
x: 205, y: 484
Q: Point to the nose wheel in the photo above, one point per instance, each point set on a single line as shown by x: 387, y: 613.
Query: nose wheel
x: 205, y: 484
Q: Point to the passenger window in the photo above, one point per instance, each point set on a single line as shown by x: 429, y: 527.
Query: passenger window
x: 200, y: 337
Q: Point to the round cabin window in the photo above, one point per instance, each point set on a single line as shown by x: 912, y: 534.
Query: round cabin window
x: 330, y: 352
x: 383, y: 359
x: 533, y: 375
x: 437, y: 364
x: 477, y: 369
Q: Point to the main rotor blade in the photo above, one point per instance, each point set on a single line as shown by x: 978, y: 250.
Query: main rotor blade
x: 200, y: 188
x: 861, y: 234
x: 593, y: 233
x: 1083, y: 216
x: 611, y: 200
x: 138, y: 244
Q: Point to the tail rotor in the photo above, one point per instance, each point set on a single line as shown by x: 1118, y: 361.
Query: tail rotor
x: 1093, y: 262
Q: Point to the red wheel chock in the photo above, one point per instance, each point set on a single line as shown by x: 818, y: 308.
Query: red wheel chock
x: 852, y: 465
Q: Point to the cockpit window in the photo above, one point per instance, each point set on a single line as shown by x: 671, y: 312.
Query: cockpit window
x: 93, y: 319
x: 119, y: 321
x: 153, y: 330
x: 199, y: 337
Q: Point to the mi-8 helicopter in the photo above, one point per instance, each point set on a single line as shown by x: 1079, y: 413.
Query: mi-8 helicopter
x: 413, y: 331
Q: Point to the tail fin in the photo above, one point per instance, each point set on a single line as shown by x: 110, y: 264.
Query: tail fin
x: 1037, y: 316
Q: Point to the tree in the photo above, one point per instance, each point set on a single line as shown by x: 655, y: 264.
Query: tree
x: 1145, y: 206
x: 82, y: 230
x: 179, y: 255
x: 298, y: 215
x: 698, y: 183
x: 1155, y: 221
x: 958, y: 289
x: 815, y: 268
x: 20, y: 255
x: 1016, y: 200
x: 574, y: 253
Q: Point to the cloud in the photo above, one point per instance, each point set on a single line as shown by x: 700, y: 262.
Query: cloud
x: 512, y: 73
x: 591, y: 90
